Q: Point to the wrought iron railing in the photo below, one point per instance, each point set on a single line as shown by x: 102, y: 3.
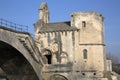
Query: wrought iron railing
x: 14, y: 26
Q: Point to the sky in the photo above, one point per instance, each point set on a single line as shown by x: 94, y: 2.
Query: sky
x: 26, y: 12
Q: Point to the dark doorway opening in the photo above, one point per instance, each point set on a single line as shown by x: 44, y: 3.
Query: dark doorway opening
x: 49, y: 57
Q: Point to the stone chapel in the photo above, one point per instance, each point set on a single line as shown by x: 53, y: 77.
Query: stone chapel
x: 72, y: 50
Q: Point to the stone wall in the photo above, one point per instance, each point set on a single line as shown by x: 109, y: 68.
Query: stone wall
x: 59, y: 43
x: 91, y: 38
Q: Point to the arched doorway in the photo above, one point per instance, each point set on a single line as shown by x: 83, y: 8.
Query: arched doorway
x: 14, y: 65
x: 57, y: 77
x: 48, y: 56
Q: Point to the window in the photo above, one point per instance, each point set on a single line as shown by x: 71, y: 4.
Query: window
x: 94, y: 73
x: 83, y: 24
x: 85, y: 53
x: 83, y: 74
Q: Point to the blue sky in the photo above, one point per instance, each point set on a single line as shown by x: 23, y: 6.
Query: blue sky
x: 26, y: 12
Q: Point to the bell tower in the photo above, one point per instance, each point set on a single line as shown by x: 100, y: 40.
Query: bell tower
x: 44, y: 13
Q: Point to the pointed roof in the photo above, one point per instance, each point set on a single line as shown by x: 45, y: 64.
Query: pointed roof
x: 44, y: 4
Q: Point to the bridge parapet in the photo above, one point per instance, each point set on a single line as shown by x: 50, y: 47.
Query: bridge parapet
x: 14, y: 26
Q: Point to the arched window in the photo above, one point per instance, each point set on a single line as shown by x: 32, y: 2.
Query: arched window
x: 83, y: 24
x: 85, y: 53
x: 64, y: 58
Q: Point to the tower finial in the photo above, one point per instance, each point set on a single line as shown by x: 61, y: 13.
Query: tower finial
x: 44, y: 12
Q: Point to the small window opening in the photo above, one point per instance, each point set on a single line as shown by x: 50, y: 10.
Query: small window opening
x: 83, y: 74
x: 83, y: 24
x: 94, y: 73
x: 85, y: 53
x: 71, y: 15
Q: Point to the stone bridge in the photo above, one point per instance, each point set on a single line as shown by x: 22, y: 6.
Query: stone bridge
x: 20, y: 59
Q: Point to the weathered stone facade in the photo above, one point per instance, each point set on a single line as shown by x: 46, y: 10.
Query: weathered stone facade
x: 72, y: 50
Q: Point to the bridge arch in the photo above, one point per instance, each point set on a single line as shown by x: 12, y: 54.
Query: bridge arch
x: 9, y: 40
x: 14, y: 64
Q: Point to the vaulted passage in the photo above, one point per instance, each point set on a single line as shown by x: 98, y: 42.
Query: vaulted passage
x: 13, y: 64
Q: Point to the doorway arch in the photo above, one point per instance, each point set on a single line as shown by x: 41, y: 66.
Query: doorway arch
x: 48, y: 56
x: 58, y: 77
